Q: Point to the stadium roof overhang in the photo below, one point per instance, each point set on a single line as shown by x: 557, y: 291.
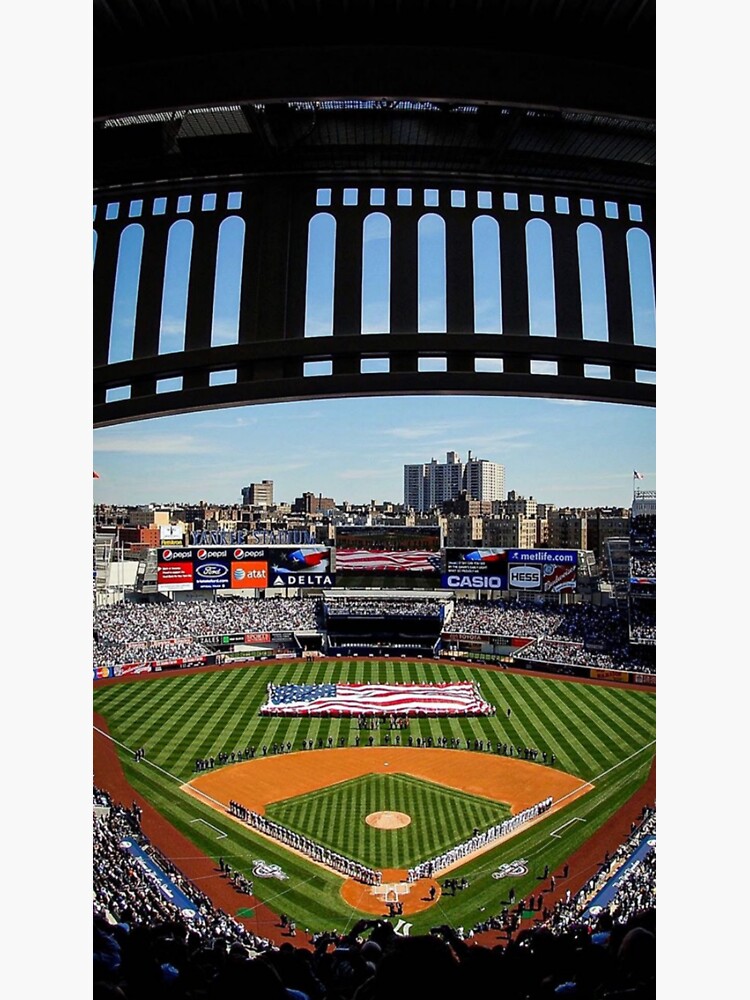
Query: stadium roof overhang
x: 492, y: 89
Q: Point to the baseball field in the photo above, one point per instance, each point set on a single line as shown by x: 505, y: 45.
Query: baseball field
x: 383, y: 805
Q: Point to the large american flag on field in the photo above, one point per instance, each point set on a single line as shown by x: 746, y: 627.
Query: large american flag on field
x: 449, y: 698
x: 372, y: 561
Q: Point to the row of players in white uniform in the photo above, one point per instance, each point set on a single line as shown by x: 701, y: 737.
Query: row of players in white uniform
x: 323, y: 855
x: 426, y: 869
x: 369, y: 876
x: 128, y: 632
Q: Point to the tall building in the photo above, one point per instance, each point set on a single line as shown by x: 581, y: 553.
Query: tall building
x: 484, y: 480
x: 258, y: 494
x: 432, y: 484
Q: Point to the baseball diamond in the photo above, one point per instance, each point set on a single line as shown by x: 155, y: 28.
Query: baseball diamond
x: 323, y: 777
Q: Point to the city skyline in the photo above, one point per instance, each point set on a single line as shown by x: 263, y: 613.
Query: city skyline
x: 570, y: 453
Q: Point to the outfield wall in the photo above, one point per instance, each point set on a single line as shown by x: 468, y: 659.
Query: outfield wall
x: 543, y: 667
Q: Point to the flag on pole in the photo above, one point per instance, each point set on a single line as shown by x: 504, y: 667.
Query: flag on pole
x: 96, y: 475
x: 636, y: 475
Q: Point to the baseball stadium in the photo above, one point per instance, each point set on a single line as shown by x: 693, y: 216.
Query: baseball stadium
x: 366, y: 763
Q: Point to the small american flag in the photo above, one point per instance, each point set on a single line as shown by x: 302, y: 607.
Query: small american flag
x: 637, y: 475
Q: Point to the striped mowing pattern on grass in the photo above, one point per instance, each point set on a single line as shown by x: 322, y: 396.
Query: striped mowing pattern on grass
x: 603, y: 735
x: 336, y: 818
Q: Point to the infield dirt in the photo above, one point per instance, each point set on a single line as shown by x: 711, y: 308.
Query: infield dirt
x: 108, y: 773
x: 256, y: 783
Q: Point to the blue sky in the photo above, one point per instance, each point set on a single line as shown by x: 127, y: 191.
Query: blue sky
x: 563, y: 452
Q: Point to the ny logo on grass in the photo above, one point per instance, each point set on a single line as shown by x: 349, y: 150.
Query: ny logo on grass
x: 402, y: 928
x: 513, y: 869
x: 263, y: 870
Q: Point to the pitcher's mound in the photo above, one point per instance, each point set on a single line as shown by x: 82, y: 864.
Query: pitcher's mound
x: 388, y: 820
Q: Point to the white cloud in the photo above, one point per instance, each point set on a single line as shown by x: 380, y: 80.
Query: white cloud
x: 436, y: 430
x: 159, y: 444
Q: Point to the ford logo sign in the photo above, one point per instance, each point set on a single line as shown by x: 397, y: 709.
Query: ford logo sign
x: 211, y: 571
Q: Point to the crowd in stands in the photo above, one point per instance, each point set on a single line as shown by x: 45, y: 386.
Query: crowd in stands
x: 575, y: 634
x: 145, y: 946
x: 643, y: 532
x: 129, y: 632
x: 643, y: 565
x: 128, y: 621
x: 115, y: 653
x: 382, y: 608
x: 143, y: 943
x: 642, y: 624
x: 503, y: 618
x: 634, y: 892
x: 574, y: 654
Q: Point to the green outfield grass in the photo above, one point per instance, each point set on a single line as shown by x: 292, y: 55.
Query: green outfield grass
x: 603, y: 735
x: 335, y: 817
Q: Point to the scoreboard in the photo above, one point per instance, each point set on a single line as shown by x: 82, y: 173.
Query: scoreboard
x: 243, y: 567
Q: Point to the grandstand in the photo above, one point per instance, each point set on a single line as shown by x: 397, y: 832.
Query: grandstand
x: 131, y: 637
x: 155, y: 930
x: 385, y: 626
x: 642, y: 575
x: 539, y: 808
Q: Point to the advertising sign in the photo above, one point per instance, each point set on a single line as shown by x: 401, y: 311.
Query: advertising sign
x: 307, y: 566
x: 175, y: 569
x: 170, y: 533
x: 251, y: 575
x: 564, y: 557
x: 243, y: 567
x: 544, y: 578
x: 475, y: 569
x: 161, y: 882
x: 227, y: 638
x: 211, y: 569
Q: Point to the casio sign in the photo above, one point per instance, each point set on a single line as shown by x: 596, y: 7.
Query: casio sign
x: 529, y: 577
x: 211, y: 571
x: 465, y: 582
